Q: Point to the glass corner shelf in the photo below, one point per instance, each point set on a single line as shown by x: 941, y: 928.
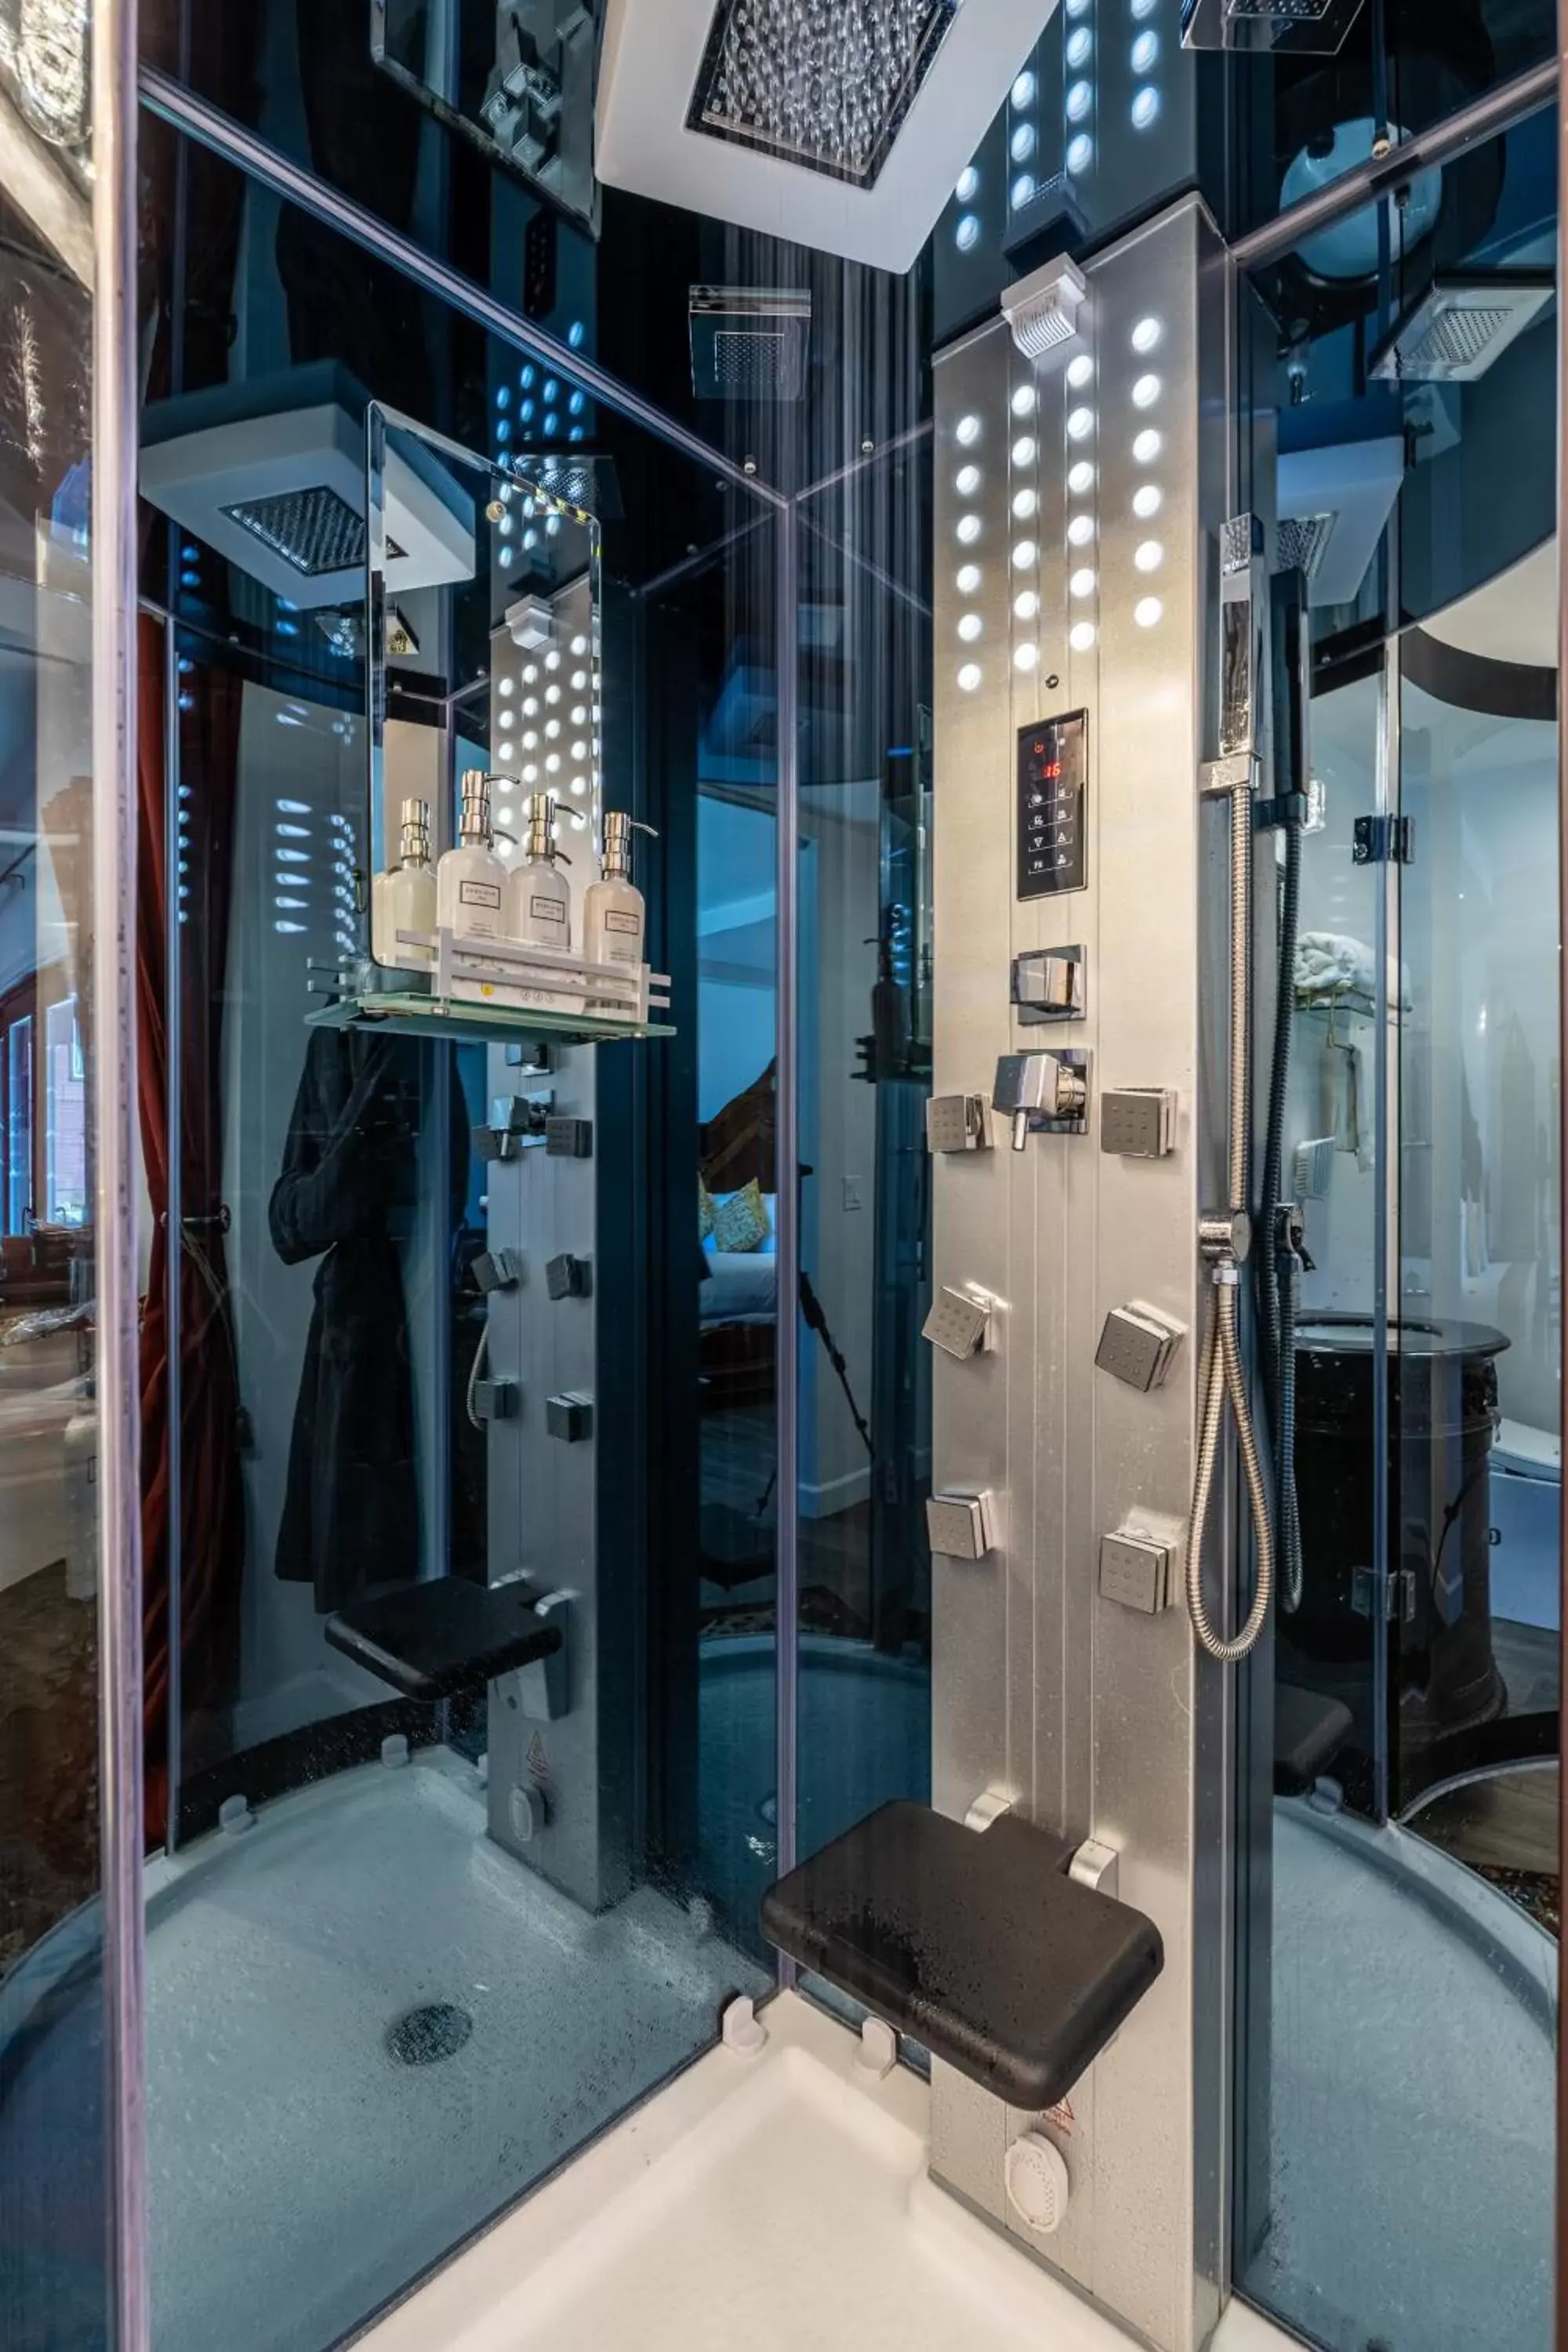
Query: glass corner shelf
x: 405, y: 1016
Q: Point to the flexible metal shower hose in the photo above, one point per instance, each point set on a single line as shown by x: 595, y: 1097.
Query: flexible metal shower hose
x: 1223, y: 1373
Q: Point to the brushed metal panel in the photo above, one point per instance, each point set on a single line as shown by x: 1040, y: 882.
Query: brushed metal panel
x: 1111, y: 1729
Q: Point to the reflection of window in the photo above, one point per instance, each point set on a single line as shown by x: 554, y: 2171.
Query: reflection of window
x: 19, y: 1047
x: 65, y: 1116
x: 19, y: 1124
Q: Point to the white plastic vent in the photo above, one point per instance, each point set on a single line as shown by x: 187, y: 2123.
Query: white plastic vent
x: 1043, y: 309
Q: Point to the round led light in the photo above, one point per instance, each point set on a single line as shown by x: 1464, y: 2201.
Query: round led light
x: 1079, y: 98
x: 1147, y: 611
x: 531, y: 675
x: 553, y: 660
x: 1080, y: 478
x: 1025, y: 555
x: 531, y: 774
x: 1147, y: 500
x: 552, y: 693
x: 1027, y: 657
x: 1146, y: 334
x: 1077, y: 7
x: 968, y: 186
x: 1026, y: 400
x: 1024, y: 89
x: 966, y: 236
x: 1028, y: 606
x: 1145, y: 50
x: 969, y: 627
x: 969, y: 677
x: 506, y: 688
x: 1148, y: 556
x: 966, y: 481
x: 1080, y: 637
x: 1022, y: 190
x: 551, y: 730
x: 531, y: 740
x: 579, y: 644
x: 1145, y: 107
x: 1081, y: 423
x: 966, y: 432
x: 1080, y: 44
x: 1080, y: 155
x: 1147, y: 446
x: 552, y: 764
x: 1146, y: 392
x: 1021, y: 144
x: 967, y: 530
x: 1024, y: 450
x: 531, y: 706
x: 968, y: 579
x: 579, y: 785
x: 1023, y: 504
x: 1080, y: 370
x: 579, y: 750
x: 1080, y: 531
x: 1083, y: 582
x: 1139, y: 9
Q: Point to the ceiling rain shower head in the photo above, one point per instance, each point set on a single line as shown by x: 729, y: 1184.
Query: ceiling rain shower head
x: 1460, y: 326
x: 840, y: 124
x: 1299, y: 27
x: 749, y: 343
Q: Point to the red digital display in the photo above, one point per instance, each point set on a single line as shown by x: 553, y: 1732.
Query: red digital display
x: 1053, y: 782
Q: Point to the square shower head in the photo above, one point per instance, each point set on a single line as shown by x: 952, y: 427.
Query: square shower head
x: 826, y: 83
x: 839, y: 124
x: 749, y: 343
x: 1461, y: 325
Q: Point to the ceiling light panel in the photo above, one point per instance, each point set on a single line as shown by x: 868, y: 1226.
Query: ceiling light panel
x: 841, y: 124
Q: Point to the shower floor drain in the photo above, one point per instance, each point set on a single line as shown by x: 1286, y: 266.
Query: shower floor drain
x: 425, y: 2035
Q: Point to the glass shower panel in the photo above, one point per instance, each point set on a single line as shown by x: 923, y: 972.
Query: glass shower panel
x: 467, y: 1470
x: 57, y: 2285
x: 863, y: 1632
x: 1402, y: 1903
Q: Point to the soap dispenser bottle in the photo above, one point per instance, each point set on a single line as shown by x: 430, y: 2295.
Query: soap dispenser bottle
x: 540, y: 896
x: 614, y: 921
x: 471, y: 880
x: 404, y: 898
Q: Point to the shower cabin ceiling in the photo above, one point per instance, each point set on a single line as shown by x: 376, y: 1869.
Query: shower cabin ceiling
x: 841, y: 124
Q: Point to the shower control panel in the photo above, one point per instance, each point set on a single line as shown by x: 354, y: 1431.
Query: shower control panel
x: 1053, y: 794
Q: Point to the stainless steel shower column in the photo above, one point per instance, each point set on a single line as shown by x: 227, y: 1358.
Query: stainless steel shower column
x: 1078, y: 513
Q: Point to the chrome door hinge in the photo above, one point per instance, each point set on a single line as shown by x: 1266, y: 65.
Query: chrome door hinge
x: 1385, y: 841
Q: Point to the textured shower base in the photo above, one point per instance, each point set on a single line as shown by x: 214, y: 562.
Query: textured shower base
x: 1414, y: 2078
x: 301, y: 2172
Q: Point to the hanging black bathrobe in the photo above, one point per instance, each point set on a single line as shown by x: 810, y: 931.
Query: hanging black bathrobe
x: 350, y: 1515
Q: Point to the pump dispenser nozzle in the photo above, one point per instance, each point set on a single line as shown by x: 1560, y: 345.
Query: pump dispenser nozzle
x: 617, y: 864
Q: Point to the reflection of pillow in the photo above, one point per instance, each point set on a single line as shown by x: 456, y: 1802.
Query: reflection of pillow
x: 704, y: 1211
x: 740, y: 1223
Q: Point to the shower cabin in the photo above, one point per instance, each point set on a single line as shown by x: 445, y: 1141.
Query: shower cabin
x: 883, y: 1587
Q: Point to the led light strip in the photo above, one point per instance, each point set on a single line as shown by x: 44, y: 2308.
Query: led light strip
x: 1080, y: 40
x: 1024, y: 463
x: 1147, y: 397
x: 1080, y: 436
x: 968, y: 480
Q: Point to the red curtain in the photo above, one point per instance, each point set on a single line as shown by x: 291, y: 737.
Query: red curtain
x: 205, y: 1380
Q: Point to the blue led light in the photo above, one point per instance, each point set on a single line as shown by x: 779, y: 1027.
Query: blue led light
x: 578, y: 402
x: 190, y: 579
x: 503, y: 430
x: 503, y: 397
x: 525, y: 376
x: 552, y: 389
x: 576, y: 434
x: 552, y: 423
x: 966, y: 236
x: 526, y: 412
x: 576, y: 333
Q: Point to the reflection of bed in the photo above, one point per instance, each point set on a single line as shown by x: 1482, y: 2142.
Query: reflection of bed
x: 738, y: 1299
